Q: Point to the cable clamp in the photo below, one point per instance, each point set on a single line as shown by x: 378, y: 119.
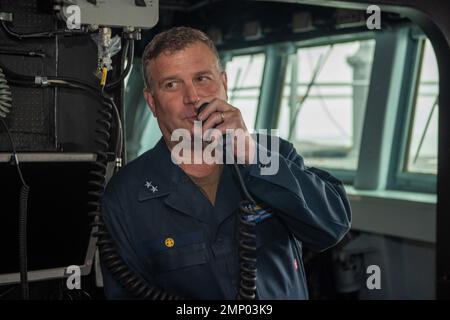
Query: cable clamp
x: 118, y: 162
x: 132, y: 33
x: 14, y: 159
x: 6, y: 16
x: 43, y: 81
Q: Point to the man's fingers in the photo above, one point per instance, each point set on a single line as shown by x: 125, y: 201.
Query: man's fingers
x: 215, y: 105
x: 214, y: 120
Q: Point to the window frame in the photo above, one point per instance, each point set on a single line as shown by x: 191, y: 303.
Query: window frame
x: 227, y: 55
x: 389, y: 173
x: 345, y: 175
x: 400, y: 179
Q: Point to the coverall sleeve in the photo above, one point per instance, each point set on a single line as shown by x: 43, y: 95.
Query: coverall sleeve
x: 312, y: 203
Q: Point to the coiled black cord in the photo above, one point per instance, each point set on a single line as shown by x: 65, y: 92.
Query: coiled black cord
x: 5, y: 96
x: 247, y: 244
x: 247, y: 254
x: 23, y: 253
x: 23, y: 209
x: 107, y: 248
x: 5, y: 106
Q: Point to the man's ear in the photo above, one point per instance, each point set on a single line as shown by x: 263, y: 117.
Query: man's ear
x: 150, y: 101
x: 224, y: 79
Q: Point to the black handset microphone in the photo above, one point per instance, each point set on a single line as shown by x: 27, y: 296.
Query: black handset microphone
x: 202, y: 107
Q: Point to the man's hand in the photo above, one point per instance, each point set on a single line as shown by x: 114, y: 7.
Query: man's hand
x: 224, y: 117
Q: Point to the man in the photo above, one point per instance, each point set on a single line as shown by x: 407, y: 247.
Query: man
x: 176, y: 225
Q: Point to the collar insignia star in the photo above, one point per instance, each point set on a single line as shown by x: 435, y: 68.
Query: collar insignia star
x: 149, y: 185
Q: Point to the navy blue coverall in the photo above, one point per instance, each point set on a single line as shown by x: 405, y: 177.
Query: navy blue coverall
x: 170, y: 234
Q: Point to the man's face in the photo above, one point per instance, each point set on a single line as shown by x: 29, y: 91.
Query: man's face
x: 179, y: 80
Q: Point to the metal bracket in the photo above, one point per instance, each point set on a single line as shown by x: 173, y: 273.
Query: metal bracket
x: 6, y: 16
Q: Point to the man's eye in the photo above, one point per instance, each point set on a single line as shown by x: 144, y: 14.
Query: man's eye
x: 170, y: 85
x: 202, y: 78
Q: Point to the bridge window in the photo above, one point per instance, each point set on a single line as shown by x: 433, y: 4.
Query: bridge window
x: 324, y: 101
x: 244, y: 82
x: 423, y: 141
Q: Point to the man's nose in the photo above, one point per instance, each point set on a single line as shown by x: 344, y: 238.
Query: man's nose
x: 190, y: 94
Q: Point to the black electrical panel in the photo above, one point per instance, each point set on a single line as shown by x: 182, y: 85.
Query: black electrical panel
x: 47, y: 118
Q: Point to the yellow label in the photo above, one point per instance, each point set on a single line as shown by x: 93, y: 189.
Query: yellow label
x: 104, y: 74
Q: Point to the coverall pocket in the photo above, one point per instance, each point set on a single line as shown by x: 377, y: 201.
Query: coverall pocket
x: 184, y: 257
x: 268, y: 232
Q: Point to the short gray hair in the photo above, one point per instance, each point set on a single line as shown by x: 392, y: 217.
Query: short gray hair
x: 173, y: 40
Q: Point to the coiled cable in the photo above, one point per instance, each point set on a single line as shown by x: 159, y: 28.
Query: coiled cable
x: 247, y: 253
x: 5, y: 96
x: 23, y: 212
x: 23, y: 251
x: 107, y: 248
x: 247, y: 244
x: 5, y: 106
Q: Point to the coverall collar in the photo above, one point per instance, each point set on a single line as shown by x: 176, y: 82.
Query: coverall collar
x: 173, y: 184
